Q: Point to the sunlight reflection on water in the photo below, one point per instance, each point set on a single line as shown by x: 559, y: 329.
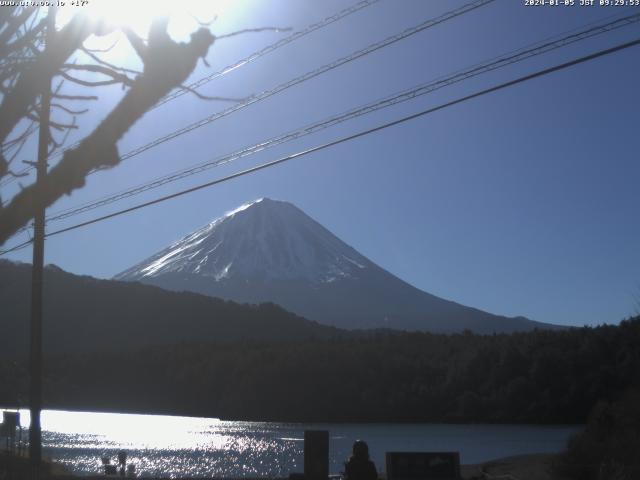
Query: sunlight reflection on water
x: 223, y: 450
x: 170, y: 446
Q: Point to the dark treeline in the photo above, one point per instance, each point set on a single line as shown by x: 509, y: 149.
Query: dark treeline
x: 85, y: 314
x: 536, y: 377
x: 608, y: 447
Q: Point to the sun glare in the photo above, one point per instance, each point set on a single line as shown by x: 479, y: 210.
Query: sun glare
x: 185, y: 16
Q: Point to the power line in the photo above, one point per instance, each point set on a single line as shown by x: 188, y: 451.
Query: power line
x: 311, y: 74
x: 354, y: 136
x: 15, y: 248
x: 308, y: 76
x: 423, y: 89
x: 295, y: 81
x: 254, y: 56
x: 271, y: 48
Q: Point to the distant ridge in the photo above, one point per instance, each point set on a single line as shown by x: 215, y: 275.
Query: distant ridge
x: 83, y: 314
x: 269, y: 250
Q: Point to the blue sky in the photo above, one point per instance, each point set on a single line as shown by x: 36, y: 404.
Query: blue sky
x: 522, y: 202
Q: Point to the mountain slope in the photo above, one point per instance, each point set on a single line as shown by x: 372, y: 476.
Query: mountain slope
x: 272, y: 251
x: 84, y: 314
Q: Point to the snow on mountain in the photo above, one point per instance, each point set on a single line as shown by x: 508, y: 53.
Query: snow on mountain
x: 260, y: 240
x: 271, y: 251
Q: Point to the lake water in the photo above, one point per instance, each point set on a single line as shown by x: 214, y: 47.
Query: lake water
x: 171, y: 446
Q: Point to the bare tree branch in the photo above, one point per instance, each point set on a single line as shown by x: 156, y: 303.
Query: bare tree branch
x: 9, y: 144
x: 62, y: 126
x: 74, y: 97
x: 56, y: 144
x: 89, y: 83
x: 23, y: 41
x: 167, y: 65
x: 136, y: 42
x: 204, y: 23
x: 17, y: 174
x: 117, y: 76
x: 253, y: 30
x: 14, y: 23
x: 102, y: 50
x: 30, y: 83
x: 53, y: 124
x: 68, y: 110
x: 5, y: 14
x: 107, y: 64
x: 209, y: 98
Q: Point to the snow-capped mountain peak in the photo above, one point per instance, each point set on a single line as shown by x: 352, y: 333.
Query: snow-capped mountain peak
x: 261, y: 240
x: 271, y: 251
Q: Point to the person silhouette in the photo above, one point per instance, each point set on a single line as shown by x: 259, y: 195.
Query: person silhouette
x: 359, y: 466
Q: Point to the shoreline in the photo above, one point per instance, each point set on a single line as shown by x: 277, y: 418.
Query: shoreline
x: 521, y: 467
x: 535, y: 466
x: 106, y: 411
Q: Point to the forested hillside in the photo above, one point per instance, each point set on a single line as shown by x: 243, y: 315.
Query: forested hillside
x: 539, y: 377
x: 84, y: 314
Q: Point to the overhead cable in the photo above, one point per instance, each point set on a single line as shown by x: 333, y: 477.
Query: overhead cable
x: 345, y: 139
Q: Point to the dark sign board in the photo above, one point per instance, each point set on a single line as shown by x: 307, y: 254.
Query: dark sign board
x: 423, y: 465
x: 11, y: 418
x: 316, y: 454
x: 10, y: 421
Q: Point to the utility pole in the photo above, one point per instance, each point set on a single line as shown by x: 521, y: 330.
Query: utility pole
x: 35, y: 366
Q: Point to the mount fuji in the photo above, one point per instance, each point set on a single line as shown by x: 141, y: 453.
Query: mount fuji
x: 271, y: 251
